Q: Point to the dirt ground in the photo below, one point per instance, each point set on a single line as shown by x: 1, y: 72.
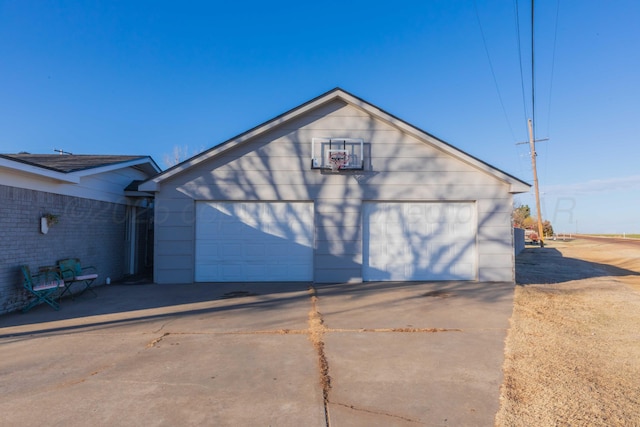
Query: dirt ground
x: 573, y: 349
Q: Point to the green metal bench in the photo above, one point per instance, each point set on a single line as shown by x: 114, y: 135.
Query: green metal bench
x: 72, y: 272
x: 44, y: 287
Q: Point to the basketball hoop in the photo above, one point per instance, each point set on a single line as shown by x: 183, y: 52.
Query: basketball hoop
x: 338, y: 159
x: 337, y: 154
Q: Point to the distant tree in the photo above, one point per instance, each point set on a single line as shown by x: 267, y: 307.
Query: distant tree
x: 521, y: 216
x: 529, y: 223
x: 179, y: 154
x: 522, y: 219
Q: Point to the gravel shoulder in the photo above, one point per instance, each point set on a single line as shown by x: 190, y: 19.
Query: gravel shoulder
x: 572, y: 355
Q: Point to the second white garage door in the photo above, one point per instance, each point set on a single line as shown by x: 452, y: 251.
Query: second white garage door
x: 245, y: 241
x: 419, y: 241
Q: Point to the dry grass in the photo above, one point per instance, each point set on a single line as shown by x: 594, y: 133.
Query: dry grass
x: 573, y: 350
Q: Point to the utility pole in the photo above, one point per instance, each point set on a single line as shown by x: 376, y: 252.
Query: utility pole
x: 532, y: 145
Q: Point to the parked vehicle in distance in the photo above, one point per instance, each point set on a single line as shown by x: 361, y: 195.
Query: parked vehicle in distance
x: 531, y: 236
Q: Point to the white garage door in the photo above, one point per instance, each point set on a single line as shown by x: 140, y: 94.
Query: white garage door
x: 241, y: 242
x: 419, y: 241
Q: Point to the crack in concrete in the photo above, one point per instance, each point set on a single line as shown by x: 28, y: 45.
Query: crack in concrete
x: 401, y: 330
x: 163, y: 325
x: 82, y: 379
x: 386, y: 414
x: 165, y: 383
x: 325, y: 330
x: 157, y: 340
x: 317, y: 329
x: 316, y: 332
x: 269, y: 332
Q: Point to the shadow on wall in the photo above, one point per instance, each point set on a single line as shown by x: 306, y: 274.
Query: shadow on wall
x: 238, y: 242
x: 245, y: 242
x: 548, y: 266
x: 277, y: 167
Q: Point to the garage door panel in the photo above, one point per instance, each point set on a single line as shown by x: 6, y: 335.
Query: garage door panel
x: 255, y: 251
x: 419, y: 241
x: 241, y: 272
x: 245, y: 241
x: 232, y: 272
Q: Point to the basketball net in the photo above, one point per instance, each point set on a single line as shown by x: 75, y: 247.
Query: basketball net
x: 338, y: 160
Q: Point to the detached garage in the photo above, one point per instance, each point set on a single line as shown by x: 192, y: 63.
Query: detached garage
x: 335, y: 190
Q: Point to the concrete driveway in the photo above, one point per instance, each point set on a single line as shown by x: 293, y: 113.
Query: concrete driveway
x: 393, y: 354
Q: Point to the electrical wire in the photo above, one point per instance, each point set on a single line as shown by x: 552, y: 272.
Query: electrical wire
x: 553, y: 64
x: 495, y: 80
x: 524, y: 98
x: 533, y: 70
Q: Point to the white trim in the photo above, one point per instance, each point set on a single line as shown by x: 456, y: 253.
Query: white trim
x: 515, y: 185
x: 152, y: 184
x: 106, y: 186
x: 39, y: 171
x: 115, y: 166
x: 73, y: 177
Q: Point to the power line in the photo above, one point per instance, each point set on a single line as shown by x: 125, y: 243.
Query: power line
x: 531, y: 127
x: 553, y: 64
x: 524, y: 98
x: 533, y: 70
x: 495, y: 80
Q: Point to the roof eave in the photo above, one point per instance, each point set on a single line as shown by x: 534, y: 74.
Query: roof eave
x: 152, y: 167
x: 516, y: 185
x: 152, y: 184
x: 39, y: 171
x: 129, y: 193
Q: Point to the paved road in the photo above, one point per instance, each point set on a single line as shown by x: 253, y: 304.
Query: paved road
x: 402, y: 354
x: 618, y: 240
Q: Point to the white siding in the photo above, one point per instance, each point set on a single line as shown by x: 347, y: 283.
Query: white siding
x: 275, y: 166
x: 257, y: 242
x: 419, y: 241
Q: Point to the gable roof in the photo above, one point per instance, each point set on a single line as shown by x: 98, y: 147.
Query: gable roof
x: 516, y: 185
x: 71, y: 167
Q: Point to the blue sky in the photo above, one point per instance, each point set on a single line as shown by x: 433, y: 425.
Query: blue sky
x: 142, y: 77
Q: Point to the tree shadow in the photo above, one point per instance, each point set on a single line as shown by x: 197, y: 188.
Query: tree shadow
x: 487, y: 292
x: 275, y: 166
x: 123, y: 304
x: 140, y: 304
x: 548, y: 266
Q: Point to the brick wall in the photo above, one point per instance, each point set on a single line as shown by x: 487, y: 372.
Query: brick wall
x: 91, y: 230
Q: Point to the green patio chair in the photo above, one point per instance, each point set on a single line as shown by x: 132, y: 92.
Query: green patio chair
x: 72, y: 272
x: 43, y: 287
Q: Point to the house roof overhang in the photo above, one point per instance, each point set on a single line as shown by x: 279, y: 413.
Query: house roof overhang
x: 45, y: 166
x: 32, y: 169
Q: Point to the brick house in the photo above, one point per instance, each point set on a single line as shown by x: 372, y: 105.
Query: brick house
x: 101, y: 217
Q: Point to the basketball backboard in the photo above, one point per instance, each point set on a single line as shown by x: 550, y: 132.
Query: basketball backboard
x: 336, y: 154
